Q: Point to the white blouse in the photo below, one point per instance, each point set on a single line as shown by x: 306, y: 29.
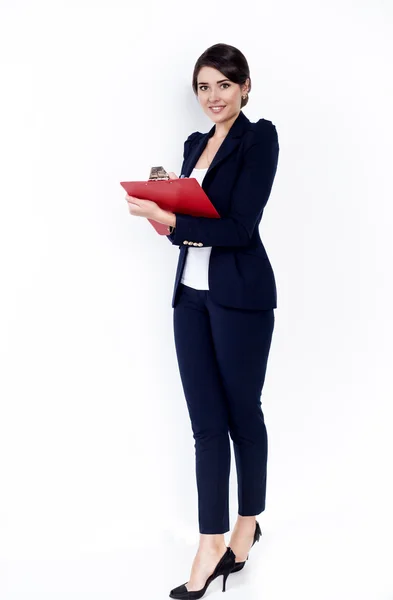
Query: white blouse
x: 196, y: 266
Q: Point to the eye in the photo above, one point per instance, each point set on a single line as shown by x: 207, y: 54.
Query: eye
x: 204, y: 86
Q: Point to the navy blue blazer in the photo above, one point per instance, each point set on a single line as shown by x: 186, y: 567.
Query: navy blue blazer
x: 238, y: 182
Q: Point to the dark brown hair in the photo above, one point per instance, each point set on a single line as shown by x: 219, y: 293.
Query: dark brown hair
x: 229, y: 61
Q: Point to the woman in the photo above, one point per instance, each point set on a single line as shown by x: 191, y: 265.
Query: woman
x: 223, y: 301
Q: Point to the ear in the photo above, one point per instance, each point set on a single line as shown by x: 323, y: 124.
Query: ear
x: 246, y: 86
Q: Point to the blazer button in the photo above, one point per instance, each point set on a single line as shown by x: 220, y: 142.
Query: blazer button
x: 185, y: 242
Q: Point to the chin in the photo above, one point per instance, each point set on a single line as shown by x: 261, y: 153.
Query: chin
x: 219, y: 116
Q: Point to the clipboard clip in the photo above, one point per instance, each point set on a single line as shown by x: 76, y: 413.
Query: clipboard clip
x: 158, y: 173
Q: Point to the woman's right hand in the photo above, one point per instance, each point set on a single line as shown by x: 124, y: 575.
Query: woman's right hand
x: 172, y: 175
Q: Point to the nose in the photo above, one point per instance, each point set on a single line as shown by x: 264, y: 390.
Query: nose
x: 213, y: 99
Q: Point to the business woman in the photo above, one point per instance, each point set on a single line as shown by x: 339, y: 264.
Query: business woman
x: 223, y: 299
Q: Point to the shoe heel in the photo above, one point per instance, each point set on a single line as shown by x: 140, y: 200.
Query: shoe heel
x: 224, y: 580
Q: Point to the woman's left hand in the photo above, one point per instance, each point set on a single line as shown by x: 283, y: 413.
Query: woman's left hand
x: 143, y: 208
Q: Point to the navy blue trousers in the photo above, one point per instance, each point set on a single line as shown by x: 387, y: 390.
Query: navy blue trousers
x: 222, y: 354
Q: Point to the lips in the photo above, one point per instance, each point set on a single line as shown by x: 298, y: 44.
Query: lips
x: 217, y: 107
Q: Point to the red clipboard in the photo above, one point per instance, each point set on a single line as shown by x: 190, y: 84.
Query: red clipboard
x: 184, y: 195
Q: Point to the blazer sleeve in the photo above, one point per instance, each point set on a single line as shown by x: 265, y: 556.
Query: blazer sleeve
x: 249, y: 197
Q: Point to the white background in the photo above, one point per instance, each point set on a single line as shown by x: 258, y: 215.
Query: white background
x: 98, y: 495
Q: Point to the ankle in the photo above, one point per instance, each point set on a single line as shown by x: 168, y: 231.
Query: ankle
x: 246, y: 522
x: 212, y: 543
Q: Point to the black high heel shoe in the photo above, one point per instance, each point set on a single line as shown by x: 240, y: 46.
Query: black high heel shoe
x: 239, y: 565
x: 223, y: 567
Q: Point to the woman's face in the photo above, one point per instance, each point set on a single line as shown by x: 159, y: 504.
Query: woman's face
x: 214, y: 89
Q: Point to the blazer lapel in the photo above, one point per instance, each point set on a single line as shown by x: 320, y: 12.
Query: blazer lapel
x: 230, y: 143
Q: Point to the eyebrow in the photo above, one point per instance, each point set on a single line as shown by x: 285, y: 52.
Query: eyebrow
x: 205, y: 83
